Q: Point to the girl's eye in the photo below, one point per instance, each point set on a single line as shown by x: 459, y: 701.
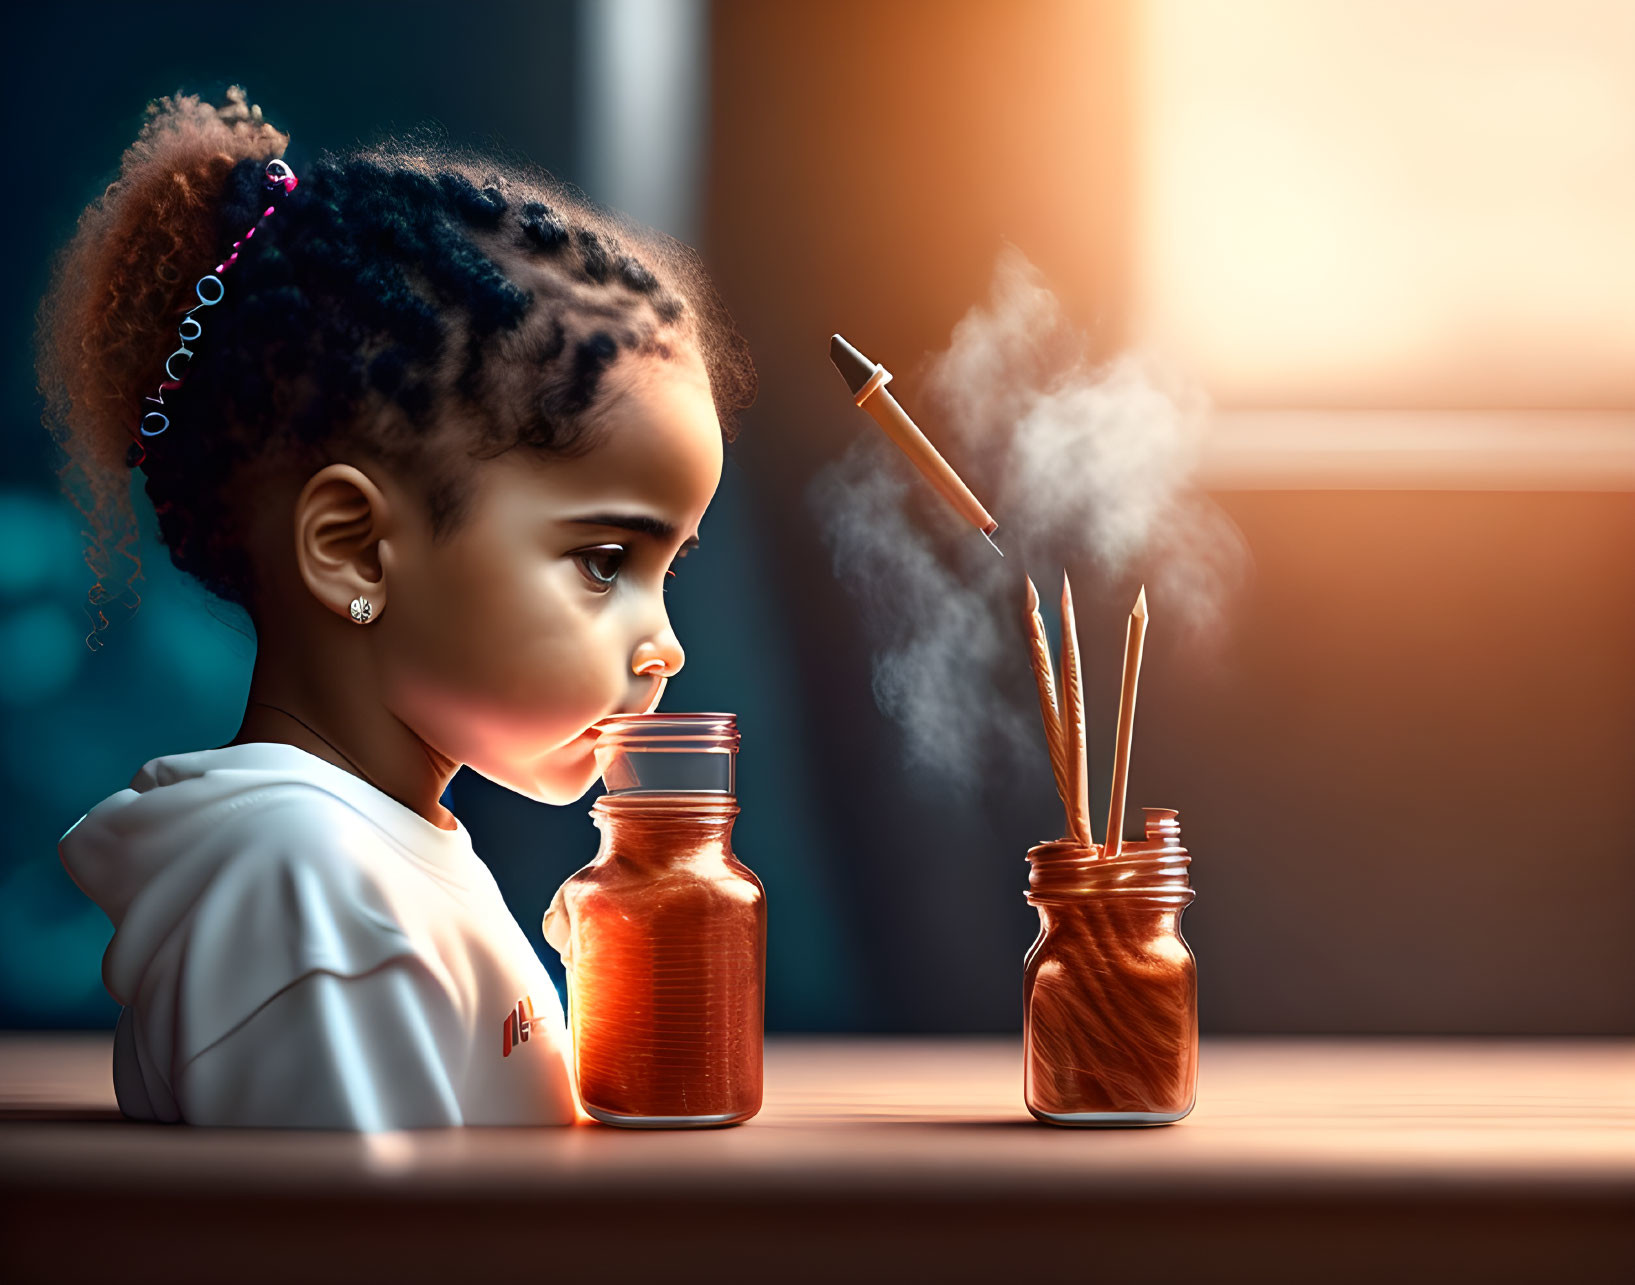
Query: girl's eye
x: 600, y: 565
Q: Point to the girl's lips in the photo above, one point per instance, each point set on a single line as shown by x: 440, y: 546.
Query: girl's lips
x: 652, y: 704
x: 594, y: 730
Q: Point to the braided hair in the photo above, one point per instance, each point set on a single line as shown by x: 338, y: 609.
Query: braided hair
x: 402, y: 293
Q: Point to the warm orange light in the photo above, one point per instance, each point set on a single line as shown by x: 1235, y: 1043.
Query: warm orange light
x: 1390, y: 203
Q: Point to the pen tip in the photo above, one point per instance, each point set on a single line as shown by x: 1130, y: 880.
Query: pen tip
x: 1033, y: 595
x: 993, y: 542
x: 853, y: 365
x: 1141, y: 603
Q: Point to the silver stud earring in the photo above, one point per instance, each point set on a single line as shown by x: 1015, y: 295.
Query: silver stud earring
x: 362, y: 610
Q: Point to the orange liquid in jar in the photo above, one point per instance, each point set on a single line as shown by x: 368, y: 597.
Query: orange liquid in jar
x: 667, y: 965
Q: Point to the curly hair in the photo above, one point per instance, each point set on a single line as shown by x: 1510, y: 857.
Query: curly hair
x: 402, y: 291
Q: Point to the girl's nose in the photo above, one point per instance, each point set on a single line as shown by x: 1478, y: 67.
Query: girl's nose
x: 660, y: 656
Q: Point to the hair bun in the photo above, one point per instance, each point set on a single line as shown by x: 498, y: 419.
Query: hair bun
x: 109, y: 318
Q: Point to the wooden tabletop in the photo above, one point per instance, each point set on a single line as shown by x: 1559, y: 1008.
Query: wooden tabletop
x: 1470, y: 1159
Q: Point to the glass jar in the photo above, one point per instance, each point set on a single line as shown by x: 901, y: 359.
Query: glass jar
x: 1110, y: 987
x: 664, y: 934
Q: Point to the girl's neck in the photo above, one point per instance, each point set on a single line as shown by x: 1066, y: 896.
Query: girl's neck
x: 373, y: 745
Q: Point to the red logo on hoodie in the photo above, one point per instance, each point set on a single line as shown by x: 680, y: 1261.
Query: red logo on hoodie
x: 518, y: 1023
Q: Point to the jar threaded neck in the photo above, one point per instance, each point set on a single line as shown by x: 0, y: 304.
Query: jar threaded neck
x: 668, y: 754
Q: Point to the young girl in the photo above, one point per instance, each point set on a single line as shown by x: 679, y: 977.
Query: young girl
x: 441, y: 429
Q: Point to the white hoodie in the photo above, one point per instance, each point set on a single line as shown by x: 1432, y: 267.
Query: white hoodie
x: 295, y: 948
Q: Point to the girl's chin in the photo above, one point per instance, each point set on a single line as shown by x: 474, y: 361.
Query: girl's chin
x: 575, y: 764
x: 559, y: 776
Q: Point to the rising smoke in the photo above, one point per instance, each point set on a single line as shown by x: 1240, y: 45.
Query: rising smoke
x: 1085, y: 466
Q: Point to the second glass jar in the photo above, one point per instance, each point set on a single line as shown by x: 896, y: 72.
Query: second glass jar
x: 1110, y: 987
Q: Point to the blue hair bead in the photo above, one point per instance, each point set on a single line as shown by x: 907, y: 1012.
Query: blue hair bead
x: 209, y: 290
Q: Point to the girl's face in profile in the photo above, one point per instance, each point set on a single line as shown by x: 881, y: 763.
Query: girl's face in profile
x: 544, y: 612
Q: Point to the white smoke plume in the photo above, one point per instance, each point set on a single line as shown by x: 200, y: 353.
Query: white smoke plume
x: 1085, y: 466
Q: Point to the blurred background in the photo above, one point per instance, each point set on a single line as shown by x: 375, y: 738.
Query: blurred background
x: 1390, y: 240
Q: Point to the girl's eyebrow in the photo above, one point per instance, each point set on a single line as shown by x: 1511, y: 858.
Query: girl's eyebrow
x: 642, y: 523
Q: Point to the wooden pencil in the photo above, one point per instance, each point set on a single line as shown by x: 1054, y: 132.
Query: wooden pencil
x: 1075, y: 754
x: 1134, y: 637
x: 1045, y: 680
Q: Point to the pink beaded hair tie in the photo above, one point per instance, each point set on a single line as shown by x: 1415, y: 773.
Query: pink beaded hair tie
x: 210, y: 291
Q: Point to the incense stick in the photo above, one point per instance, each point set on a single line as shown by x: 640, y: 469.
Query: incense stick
x: 1075, y: 755
x: 1045, y: 681
x: 1134, y: 636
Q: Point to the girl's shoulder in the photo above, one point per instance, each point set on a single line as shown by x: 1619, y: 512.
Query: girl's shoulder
x: 231, y: 874
x: 310, y: 793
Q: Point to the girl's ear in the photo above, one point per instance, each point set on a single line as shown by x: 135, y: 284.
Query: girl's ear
x: 340, y: 519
